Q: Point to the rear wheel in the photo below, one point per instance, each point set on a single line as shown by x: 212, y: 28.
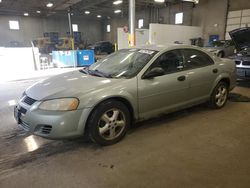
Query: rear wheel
x: 219, y: 95
x: 109, y: 122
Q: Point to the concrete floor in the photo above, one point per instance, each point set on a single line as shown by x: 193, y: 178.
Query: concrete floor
x: 198, y: 147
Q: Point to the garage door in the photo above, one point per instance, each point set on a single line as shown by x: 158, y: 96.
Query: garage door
x: 237, y: 19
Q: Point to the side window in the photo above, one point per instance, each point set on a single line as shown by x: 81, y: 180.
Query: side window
x: 170, y: 62
x: 196, y: 59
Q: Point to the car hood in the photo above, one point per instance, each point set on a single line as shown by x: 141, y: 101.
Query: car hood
x: 241, y: 38
x: 71, y: 84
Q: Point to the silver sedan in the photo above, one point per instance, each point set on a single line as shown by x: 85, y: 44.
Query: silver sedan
x: 127, y: 86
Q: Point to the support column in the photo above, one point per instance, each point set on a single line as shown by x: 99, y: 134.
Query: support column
x: 70, y: 24
x: 71, y: 29
x: 132, y: 22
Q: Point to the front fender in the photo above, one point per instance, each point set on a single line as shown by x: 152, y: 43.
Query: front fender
x: 126, y: 91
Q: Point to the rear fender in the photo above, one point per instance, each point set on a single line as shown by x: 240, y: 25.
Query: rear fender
x: 219, y: 78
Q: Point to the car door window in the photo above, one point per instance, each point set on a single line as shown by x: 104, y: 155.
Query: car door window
x: 195, y: 59
x: 170, y: 62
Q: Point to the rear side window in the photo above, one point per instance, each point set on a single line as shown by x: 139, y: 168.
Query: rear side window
x: 195, y: 59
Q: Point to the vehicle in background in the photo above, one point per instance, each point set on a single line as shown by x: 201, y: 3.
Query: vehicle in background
x: 102, y: 47
x: 222, y: 48
x: 241, y: 38
x: 129, y: 85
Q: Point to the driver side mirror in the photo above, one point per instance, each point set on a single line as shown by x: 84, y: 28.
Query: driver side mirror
x: 154, y: 72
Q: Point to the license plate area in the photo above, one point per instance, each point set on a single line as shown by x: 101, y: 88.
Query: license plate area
x: 241, y: 72
x: 247, y: 73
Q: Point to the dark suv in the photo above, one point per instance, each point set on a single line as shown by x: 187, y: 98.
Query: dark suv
x: 102, y: 47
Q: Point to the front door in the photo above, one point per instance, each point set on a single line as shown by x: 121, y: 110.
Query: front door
x: 166, y: 92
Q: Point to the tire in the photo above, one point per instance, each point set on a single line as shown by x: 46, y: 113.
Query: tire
x: 219, y: 96
x: 109, y: 122
x: 221, y: 54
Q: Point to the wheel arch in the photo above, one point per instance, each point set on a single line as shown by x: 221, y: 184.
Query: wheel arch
x: 125, y: 101
x: 221, y: 78
x: 226, y: 80
x: 222, y: 53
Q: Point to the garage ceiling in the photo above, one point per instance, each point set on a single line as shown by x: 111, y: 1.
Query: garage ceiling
x: 105, y: 7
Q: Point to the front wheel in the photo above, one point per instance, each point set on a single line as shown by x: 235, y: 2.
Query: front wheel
x: 219, y: 95
x: 109, y: 122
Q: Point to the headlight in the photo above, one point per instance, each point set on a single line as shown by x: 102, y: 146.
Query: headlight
x: 63, y: 104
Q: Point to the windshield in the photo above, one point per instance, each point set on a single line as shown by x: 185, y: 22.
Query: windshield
x: 123, y: 63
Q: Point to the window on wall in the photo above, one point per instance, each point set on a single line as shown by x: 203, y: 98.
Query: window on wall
x: 75, y: 27
x: 14, y: 25
x: 140, y: 23
x: 108, y: 28
x: 179, y: 18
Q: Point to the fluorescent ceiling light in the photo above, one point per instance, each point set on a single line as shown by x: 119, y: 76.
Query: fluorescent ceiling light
x: 117, y: 2
x: 192, y: 1
x: 99, y: 16
x: 159, y: 1
x: 26, y: 14
x: 49, y: 5
x: 117, y: 11
x: 87, y: 12
x: 38, y: 12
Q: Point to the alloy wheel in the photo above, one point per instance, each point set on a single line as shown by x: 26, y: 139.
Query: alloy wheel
x: 221, y: 96
x: 111, y: 124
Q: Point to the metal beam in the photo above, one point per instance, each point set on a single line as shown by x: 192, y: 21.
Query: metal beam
x: 86, y: 5
x: 132, y: 22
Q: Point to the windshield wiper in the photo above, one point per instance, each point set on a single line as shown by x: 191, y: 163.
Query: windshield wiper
x: 99, y: 73
x: 85, y: 71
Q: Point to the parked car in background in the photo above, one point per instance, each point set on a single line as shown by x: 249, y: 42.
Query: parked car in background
x: 129, y: 85
x: 241, y: 38
x: 102, y: 47
x: 222, y: 48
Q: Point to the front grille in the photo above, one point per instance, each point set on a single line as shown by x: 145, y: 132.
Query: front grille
x: 46, y: 129
x: 29, y: 100
x: 22, y: 110
x: 237, y: 62
x: 247, y: 63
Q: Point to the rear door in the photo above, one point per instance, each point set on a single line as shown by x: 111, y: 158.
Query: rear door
x: 202, y: 72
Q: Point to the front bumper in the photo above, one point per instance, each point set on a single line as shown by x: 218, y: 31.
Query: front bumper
x: 242, y: 67
x: 51, y: 124
x: 243, y: 72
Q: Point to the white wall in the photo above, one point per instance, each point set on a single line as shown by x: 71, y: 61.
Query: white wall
x: 141, y: 37
x: 163, y: 33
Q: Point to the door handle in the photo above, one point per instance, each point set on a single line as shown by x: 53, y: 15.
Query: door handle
x: 215, y: 70
x: 181, y: 78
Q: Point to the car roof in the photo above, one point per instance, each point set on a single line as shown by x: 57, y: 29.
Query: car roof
x: 161, y: 47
